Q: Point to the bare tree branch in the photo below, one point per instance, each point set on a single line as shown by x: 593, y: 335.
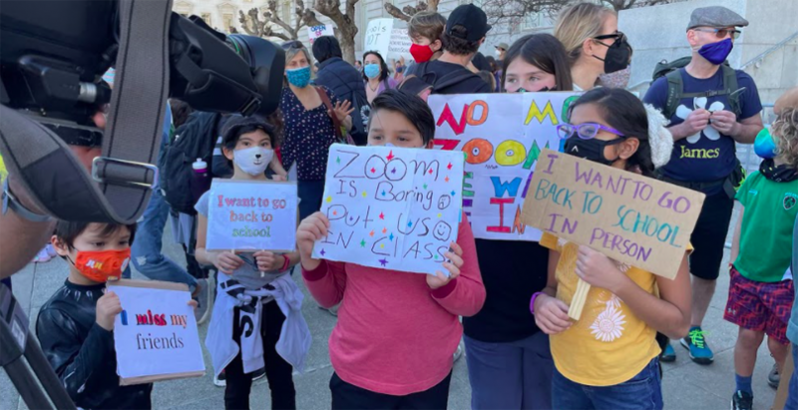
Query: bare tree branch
x: 409, y: 11
x: 512, y: 12
x: 263, y: 25
x: 345, y: 22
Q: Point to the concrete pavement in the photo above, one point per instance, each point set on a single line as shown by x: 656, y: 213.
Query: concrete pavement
x: 685, y: 384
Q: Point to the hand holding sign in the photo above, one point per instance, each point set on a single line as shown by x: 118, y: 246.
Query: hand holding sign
x: 108, y: 306
x: 635, y: 220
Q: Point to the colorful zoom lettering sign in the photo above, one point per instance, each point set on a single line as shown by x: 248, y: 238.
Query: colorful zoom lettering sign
x: 252, y: 215
x: 633, y: 219
x: 502, y: 136
x: 155, y: 336
x: 392, y: 208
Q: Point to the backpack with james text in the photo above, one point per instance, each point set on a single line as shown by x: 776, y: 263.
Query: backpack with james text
x: 423, y: 82
x: 671, y: 71
x: 194, y: 139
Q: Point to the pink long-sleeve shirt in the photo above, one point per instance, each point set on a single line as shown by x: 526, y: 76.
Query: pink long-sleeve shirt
x: 395, y: 335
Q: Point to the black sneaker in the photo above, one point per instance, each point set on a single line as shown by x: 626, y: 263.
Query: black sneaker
x: 742, y: 401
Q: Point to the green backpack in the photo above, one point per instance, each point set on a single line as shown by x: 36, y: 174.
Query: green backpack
x: 670, y: 70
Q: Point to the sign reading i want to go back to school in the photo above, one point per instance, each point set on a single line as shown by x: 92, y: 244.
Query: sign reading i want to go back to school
x: 633, y: 219
x: 391, y: 208
x: 502, y: 136
x: 252, y: 215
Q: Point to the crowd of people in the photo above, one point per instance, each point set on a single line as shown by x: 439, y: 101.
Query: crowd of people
x: 506, y: 300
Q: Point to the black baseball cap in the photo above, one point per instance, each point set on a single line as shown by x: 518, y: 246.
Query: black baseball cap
x: 472, y: 18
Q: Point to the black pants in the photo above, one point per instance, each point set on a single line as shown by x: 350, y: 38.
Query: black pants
x: 278, y: 371
x: 347, y: 396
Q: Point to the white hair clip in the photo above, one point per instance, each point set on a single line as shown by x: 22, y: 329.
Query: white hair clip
x: 659, y: 137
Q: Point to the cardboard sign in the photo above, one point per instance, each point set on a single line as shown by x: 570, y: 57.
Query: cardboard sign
x: 378, y: 36
x: 633, y: 219
x: 155, y: 336
x: 318, y: 31
x: 392, y: 208
x: 502, y: 136
x: 252, y: 215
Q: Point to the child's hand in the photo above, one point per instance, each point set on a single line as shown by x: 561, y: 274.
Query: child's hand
x: 598, y: 270
x: 227, y: 262
x: 108, y: 306
x: 342, y: 110
x: 268, y: 261
x: 551, y: 314
x: 278, y: 177
x: 455, y: 256
x: 193, y: 303
x: 312, y: 229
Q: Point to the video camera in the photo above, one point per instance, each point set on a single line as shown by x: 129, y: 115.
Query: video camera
x: 53, y: 54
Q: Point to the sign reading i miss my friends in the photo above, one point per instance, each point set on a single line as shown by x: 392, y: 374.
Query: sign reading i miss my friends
x: 155, y: 336
x: 252, y: 215
x: 502, y: 136
x: 392, y: 208
x: 633, y: 219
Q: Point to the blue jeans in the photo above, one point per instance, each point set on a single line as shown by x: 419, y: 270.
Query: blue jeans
x: 792, y: 393
x: 145, y: 254
x: 641, y: 392
x: 512, y: 375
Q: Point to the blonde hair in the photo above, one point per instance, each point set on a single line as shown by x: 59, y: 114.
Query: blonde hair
x: 785, y: 134
x: 579, y: 23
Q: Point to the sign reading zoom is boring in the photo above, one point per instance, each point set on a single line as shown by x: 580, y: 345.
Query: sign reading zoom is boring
x: 392, y: 208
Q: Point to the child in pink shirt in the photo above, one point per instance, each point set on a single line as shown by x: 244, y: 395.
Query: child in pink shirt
x: 396, y: 331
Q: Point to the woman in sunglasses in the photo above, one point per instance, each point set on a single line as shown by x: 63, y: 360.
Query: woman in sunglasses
x: 609, y: 358
x: 590, y: 35
x: 309, y: 125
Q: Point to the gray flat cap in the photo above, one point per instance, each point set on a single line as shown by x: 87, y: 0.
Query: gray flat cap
x: 717, y: 17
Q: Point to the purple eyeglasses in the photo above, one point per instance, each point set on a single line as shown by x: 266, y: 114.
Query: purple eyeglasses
x: 584, y: 131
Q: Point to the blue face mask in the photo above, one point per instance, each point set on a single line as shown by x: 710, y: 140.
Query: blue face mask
x: 372, y: 70
x: 716, y: 53
x: 764, y: 145
x: 298, y: 77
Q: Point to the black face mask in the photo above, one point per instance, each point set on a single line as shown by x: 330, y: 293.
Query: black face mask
x: 592, y: 149
x: 617, y: 57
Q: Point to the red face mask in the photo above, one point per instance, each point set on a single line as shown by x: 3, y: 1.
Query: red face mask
x: 102, y: 266
x: 421, y: 53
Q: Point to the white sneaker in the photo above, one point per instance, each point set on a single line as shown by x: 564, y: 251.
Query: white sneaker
x: 459, y: 352
x: 220, y: 381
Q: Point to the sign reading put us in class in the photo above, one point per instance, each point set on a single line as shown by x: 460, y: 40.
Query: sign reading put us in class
x: 391, y: 208
x: 633, y: 219
x: 252, y: 215
x: 155, y: 336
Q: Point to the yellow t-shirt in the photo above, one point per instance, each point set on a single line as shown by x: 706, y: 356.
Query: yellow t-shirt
x: 609, y: 344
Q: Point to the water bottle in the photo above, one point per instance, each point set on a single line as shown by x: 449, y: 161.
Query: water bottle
x: 201, y: 180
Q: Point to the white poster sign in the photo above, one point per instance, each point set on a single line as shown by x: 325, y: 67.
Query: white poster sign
x: 502, y: 136
x: 252, y: 215
x: 392, y: 208
x: 378, y: 36
x: 320, y: 30
x: 155, y: 336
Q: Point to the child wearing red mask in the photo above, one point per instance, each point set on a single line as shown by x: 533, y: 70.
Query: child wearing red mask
x: 425, y: 29
x: 76, y: 325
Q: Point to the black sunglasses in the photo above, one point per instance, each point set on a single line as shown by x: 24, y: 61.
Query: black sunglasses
x: 616, y: 35
x: 293, y: 44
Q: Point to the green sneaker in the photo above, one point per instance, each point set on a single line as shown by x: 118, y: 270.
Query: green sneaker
x: 698, y: 347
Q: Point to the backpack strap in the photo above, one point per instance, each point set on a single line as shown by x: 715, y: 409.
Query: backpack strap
x: 674, y: 95
x: 676, y: 91
x: 331, y: 113
x: 451, y: 79
x: 731, y: 88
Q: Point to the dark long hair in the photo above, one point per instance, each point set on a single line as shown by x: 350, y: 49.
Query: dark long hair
x: 626, y: 113
x: 411, y: 106
x: 384, y: 71
x: 545, y: 52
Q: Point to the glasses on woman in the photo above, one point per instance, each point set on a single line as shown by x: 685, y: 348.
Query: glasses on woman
x: 615, y: 36
x: 721, y: 32
x: 584, y: 131
x: 293, y: 44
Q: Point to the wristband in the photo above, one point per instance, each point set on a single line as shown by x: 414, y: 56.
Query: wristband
x: 286, y: 263
x: 532, y: 302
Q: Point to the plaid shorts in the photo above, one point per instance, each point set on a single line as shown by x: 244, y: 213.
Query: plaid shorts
x: 760, y: 306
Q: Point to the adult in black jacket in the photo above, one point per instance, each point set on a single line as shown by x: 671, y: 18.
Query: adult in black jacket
x: 343, y: 80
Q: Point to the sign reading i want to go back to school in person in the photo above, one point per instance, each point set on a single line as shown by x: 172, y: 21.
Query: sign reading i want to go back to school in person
x: 502, y: 136
x: 631, y: 218
x: 252, y: 215
x: 391, y: 208
x: 155, y: 336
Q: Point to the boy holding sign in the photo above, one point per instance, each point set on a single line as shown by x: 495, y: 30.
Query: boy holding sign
x: 75, y: 327
x: 254, y: 290
x: 396, y: 331
x: 611, y: 350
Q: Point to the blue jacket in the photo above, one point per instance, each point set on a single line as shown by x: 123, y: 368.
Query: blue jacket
x: 347, y: 84
x: 792, y: 327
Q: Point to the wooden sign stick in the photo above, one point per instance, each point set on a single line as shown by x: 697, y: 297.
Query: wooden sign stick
x: 578, y: 300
